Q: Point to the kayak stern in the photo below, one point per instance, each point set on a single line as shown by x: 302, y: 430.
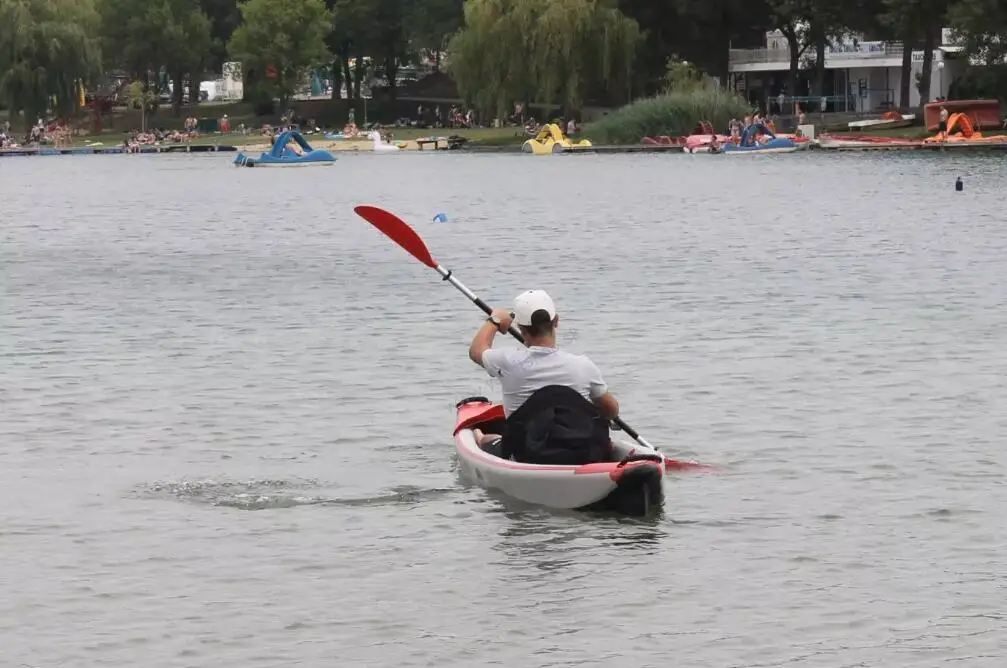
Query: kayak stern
x: 629, y: 484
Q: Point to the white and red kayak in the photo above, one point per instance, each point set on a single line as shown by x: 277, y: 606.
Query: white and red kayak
x: 630, y: 484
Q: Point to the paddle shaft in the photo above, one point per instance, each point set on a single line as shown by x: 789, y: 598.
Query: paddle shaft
x: 513, y: 331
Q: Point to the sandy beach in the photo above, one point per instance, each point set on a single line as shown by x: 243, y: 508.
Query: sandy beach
x: 363, y: 144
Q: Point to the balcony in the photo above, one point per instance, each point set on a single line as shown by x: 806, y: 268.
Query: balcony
x: 841, y: 56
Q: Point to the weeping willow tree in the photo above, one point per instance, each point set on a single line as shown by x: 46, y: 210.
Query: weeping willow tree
x: 548, y: 51
x: 48, y: 49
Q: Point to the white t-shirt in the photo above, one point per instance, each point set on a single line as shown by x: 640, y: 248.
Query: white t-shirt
x: 522, y: 371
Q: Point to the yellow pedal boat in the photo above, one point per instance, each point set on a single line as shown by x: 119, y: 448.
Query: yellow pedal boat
x: 550, y: 139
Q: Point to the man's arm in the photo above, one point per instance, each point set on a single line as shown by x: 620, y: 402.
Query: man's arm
x: 483, y: 340
x: 608, y: 405
x: 600, y: 396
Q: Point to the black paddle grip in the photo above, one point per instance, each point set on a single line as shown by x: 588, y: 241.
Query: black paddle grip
x: 483, y: 305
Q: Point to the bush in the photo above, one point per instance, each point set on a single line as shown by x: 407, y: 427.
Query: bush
x: 673, y: 114
x: 261, y: 98
x: 987, y: 82
x: 681, y: 76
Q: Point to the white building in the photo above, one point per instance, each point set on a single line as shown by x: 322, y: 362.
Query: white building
x: 861, y: 76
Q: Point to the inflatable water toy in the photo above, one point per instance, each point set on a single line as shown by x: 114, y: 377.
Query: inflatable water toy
x: 800, y: 140
x: 701, y: 143
x: 290, y: 149
x: 550, y: 139
x: 383, y: 146
x: 663, y: 140
x: 749, y: 144
x: 349, y: 131
x: 629, y: 484
x: 961, y: 130
x: 776, y: 145
x: 983, y: 114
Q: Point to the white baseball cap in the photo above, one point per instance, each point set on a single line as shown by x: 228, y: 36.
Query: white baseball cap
x: 526, y: 303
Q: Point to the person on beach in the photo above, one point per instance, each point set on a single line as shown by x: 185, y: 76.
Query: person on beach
x: 734, y: 130
x: 556, y: 403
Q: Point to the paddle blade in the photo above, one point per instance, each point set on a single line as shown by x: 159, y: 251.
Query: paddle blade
x: 398, y: 231
x: 680, y: 464
x: 684, y: 465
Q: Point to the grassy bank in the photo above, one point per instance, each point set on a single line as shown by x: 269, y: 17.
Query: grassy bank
x: 122, y: 121
x: 476, y: 136
x: 673, y: 114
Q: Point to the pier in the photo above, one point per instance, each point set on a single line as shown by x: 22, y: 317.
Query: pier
x: 115, y: 150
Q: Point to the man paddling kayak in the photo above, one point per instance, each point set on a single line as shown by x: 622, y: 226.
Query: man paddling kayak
x: 557, y: 404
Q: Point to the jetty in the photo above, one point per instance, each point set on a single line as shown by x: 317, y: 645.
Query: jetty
x: 115, y: 150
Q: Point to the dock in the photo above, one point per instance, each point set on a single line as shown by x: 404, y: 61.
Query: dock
x: 620, y: 148
x: 922, y: 146
x: 631, y: 148
x: 116, y: 150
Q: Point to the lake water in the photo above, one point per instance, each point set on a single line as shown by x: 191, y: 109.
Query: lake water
x: 226, y: 406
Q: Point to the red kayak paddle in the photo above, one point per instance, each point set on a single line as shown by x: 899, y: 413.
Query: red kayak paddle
x: 405, y: 236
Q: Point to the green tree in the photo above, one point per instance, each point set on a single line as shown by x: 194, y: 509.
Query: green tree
x: 139, y: 96
x: 790, y: 18
x: 146, y: 38
x: 827, y: 20
x: 190, y: 48
x: 195, y: 55
x: 375, y: 28
x: 707, y: 30
x: 47, y: 49
x: 681, y: 76
x: 224, y: 19
x: 285, y: 35
x: 544, y: 51
x: 917, y: 22
x: 346, y: 40
x: 432, y: 23
x: 981, y: 28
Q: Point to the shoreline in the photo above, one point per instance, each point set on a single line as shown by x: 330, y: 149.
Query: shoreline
x: 367, y: 146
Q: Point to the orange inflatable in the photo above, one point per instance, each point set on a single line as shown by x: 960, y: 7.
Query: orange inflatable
x: 961, y: 129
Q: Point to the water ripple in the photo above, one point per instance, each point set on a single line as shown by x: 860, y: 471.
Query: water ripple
x: 204, y: 340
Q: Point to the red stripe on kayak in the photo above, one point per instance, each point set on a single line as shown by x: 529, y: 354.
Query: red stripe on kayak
x: 612, y: 469
x: 496, y: 462
x: 476, y: 414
